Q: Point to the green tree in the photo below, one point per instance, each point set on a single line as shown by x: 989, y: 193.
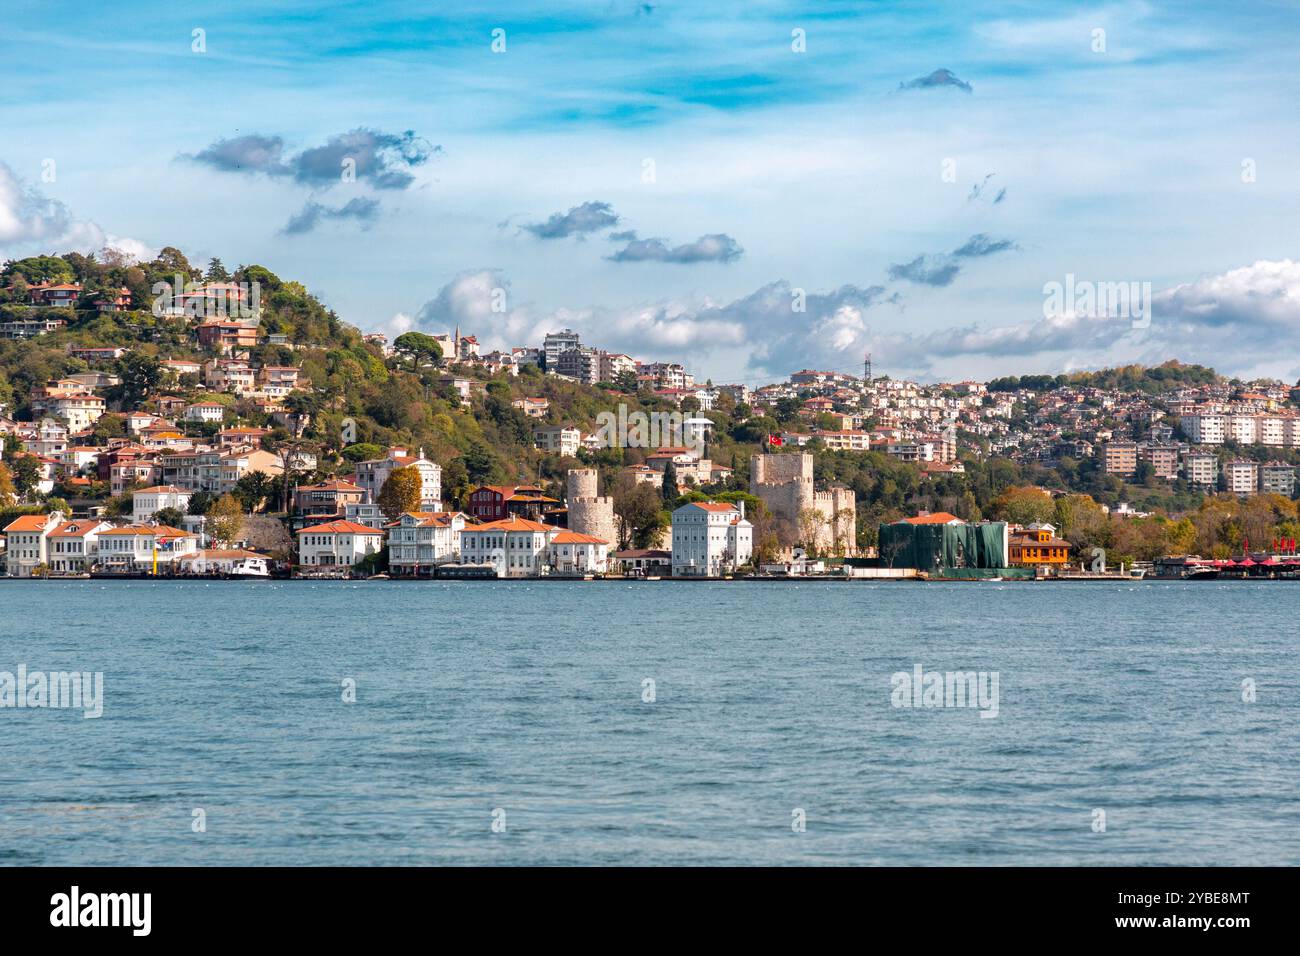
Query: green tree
x: 253, y: 489
x: 140, y: 375
x: 416, y: 346
x: 171, y: 517
x: 640, y: 510
x: 669, y: 490
x: 26, y: 472
x: 400, y: 493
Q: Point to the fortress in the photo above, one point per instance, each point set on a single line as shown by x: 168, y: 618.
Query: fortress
x: 785, y: 484
x: 589, y: 513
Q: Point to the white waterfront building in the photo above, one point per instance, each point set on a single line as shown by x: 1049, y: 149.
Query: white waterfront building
x: 710, y: 538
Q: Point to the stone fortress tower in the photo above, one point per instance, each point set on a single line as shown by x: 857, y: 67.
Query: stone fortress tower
x: 785, y: 484
x: 589, y: 513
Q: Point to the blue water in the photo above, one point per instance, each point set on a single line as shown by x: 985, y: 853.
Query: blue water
x: 527, y: 698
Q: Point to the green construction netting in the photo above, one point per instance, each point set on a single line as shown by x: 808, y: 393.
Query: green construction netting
x: 930, y: 546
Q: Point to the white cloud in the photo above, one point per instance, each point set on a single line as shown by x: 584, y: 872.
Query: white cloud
x: 1239, y: 321
x: 32, y: 223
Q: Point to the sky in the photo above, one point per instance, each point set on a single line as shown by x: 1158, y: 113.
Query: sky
x: 749, y: 188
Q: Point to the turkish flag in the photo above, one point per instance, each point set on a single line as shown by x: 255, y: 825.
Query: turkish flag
x: 775, y: 440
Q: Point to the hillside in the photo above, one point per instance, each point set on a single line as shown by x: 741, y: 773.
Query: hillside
x: 407, y: 399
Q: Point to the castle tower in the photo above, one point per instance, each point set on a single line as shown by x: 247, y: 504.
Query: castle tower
x: 589, y: 512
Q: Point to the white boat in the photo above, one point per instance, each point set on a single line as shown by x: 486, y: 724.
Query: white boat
x: 249, y: 568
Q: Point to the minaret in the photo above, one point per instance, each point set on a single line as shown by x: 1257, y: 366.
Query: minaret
x: 455, y: 343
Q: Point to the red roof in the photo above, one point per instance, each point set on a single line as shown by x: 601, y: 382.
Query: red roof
x: 939, y: 517
x: 340, y: 527
x: 574, y: 537
x: 512, y: 524
x: 27, y: 523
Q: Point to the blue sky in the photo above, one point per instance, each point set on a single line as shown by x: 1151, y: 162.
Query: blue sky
x: 774, y: 170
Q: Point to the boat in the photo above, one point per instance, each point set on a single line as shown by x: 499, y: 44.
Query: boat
x: 249, y: 568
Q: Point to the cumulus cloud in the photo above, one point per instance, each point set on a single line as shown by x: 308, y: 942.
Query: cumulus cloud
x: 32, y: 222
x: 467, y: 300
x: 1234, y: 321
x: 578, y: 221
x: 378, y: 159
x: 937, y: 79
x: 716, y: 247
x: 313, y: 213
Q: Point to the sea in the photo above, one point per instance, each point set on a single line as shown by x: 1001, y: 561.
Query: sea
x: 652, y: 723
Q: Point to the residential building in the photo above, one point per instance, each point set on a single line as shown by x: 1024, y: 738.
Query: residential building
x: 371, y: 475
x: 1204, y: 429
x: 557, y: 343
x: 1163, y: 458
x: 80, y: 411
x: 558, y: 439
x: 1038, y: 546
x: 419, y: 541
x: 1241, y: 476
x: 1120, y: 458
x: 844, y: 439
x: 73, y: 546
x: 27, y: 538
x: 145, y: 547
x: 532, y: 407
x: 1277, y: 478
x: 515, y: 547
x: 212, y: 412
x: 147, y: 502
x: 572, y: 552
x: 227, y: 336
x: 1201, y: 468
x: 710, y: 538
x: 337, y: 544
x: 498, y: 502
x: 366, y: 513
x: 327, y: 499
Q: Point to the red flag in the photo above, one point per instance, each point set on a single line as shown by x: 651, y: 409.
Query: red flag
x: 775, y: 440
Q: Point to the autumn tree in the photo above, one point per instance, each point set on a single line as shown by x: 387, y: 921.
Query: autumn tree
x: 1024, y: 505
x: 401, y: 492
x: 8, y: 494
x: 225, y: 519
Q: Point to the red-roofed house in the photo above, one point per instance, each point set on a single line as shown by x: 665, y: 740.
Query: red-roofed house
x: 74, y: 545
x: 420, y: 540
x: 710, y: 538
x: 337, y: 544
x: 27, y: 538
